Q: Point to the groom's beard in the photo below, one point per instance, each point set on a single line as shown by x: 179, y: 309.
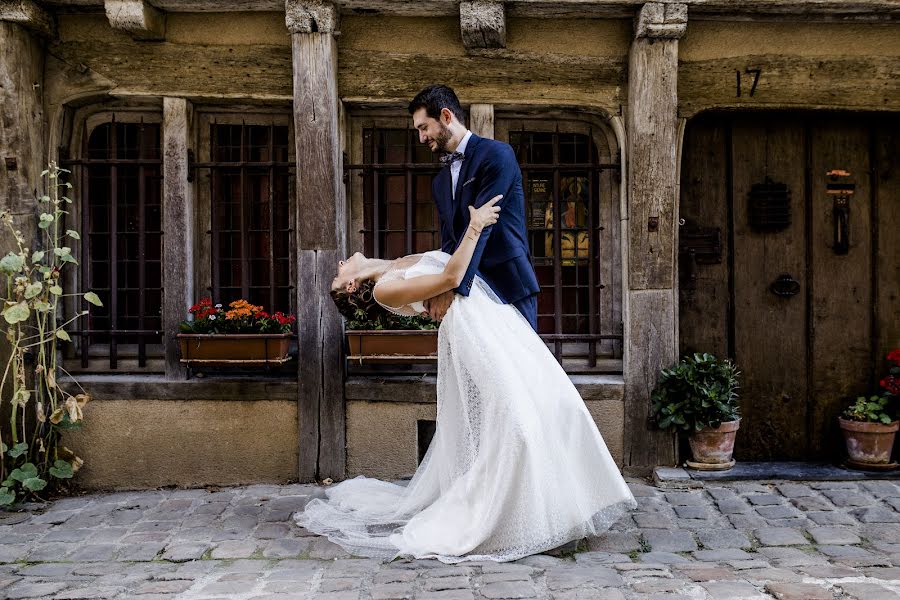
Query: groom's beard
x: 442, y: 139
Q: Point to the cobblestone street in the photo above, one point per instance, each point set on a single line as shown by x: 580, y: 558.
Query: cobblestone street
x: 787, y: 540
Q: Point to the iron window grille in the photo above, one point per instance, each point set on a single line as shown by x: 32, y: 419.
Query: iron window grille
x: 119, y: 179
x: 251, y: 231
x: 560, y: 177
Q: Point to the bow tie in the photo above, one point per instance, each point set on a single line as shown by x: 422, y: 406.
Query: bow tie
x: 452, y: 157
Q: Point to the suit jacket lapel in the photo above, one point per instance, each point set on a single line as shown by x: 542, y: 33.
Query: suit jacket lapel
x: 461, y: 207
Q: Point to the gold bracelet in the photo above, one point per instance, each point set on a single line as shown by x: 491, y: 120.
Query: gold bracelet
x: 472, y: 227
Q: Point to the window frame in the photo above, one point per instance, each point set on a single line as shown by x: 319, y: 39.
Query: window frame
x: 574, y: 356
x: 99, y: 357
x: 204, y: 118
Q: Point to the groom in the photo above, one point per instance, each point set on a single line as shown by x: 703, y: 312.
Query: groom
x: 476, y: 169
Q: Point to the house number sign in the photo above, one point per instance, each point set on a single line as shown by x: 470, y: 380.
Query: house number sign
x: 752, y: 79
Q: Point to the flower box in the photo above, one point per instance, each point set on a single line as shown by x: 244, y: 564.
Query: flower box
x: 392, y: 346
x: 234, y: 349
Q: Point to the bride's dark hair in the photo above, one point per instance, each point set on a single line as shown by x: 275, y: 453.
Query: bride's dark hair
x: 359, y: 305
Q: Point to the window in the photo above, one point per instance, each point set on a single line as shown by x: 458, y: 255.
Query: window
x: 570, y: 177
x: 400, y: 216
x: 561, y: 174
x: 119, y: 182
x: 247, y: 188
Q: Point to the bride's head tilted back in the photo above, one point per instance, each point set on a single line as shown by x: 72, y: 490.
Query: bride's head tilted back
x: 351, y: 289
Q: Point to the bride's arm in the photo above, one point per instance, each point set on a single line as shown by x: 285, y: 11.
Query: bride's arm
x: 401, y: 292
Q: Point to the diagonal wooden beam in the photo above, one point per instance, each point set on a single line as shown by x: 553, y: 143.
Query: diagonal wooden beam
x: 30, y: 15
x: 139, y: 18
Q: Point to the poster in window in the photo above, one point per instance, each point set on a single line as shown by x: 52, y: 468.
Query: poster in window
x: 540, y: 198
x: 574, y: 221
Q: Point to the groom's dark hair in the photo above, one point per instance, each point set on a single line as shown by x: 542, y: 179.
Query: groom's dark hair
x: 436, y: 97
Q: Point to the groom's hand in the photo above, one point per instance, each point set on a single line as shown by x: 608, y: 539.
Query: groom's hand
x: 437, y: 307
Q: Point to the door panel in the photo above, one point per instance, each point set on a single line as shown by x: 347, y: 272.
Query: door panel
x: 841, y: 297
x: 769, y: 330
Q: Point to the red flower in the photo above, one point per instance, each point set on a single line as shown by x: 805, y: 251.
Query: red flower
x: 891, y: 384
x: 894, y: 356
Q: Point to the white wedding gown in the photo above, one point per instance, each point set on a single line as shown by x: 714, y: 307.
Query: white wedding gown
x: 516, y: 467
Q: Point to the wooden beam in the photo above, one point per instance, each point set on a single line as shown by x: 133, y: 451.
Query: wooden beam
x: 805, y: 10
x: 321, y: 242
x: 481, y: 120
x: 178, y: 223
x: 661, y: 21
x: 30, y: 15
x: 139, y: 18
x: 482, y: 23
x: 650, y: 315
x: 312, y: 16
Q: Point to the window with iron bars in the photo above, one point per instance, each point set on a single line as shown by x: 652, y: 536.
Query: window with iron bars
x: 251, y: 232
x: 119, y: 181
x: 562, y: 174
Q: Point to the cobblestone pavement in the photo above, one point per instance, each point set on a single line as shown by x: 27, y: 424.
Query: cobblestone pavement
x: 801, y: 541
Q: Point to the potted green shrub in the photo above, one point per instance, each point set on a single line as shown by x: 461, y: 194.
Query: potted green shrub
x: 870, y: 424
x: 699, y: 396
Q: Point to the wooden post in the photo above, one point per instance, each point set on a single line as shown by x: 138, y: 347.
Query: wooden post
x: 321, y: 238
x: 178, y: 223
x: 22, y: 154
x: 481, y: 120
x: 650, y: 320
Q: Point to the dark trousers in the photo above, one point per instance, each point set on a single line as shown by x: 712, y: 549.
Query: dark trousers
x: 528, y: 307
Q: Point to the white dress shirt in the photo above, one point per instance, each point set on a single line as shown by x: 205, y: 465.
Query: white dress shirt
x: 456, y: 165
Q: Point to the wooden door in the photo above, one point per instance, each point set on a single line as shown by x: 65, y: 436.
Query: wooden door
x: 806, y: 308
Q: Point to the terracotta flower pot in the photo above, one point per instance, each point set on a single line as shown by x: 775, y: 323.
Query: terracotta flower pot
x: 712, y: 448
x: 234, y: 349
x: 869, y: 444
x: 392, y: 346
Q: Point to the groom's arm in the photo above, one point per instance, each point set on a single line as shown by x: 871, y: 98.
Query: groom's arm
x: 496, y: 177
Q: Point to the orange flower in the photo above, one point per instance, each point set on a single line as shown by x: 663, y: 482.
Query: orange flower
x: 241, y: 309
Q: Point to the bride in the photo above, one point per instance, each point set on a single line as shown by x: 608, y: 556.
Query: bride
x: 516, y: 466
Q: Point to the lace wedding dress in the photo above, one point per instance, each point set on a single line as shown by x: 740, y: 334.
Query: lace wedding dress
x: 516, y: 467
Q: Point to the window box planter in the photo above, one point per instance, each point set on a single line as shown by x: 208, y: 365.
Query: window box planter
x: 392, y: 346
x: 234, y: 349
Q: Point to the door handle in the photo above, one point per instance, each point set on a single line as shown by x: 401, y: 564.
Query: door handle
x: 785, y: 286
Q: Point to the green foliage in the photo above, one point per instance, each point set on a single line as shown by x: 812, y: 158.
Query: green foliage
x: 386, y: 320
x: 700, y: 392
x: 874, y: 409
x: 31, y: 456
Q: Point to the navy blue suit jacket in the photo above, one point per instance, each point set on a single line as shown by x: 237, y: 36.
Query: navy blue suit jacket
x: 501, y: 257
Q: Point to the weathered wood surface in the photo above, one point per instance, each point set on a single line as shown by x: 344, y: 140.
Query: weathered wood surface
x: 853, y: 82
x: 481, y: 120
x: 704, y: 304
x: 178, y: 223
x: 652, y: 127
x: 140, y: 388
x: 770, y: 337
x: 649, y: 346
x: 321, y: 391
x: 138, y: 17
x: 21, y: 119
x: 312, y: 16
x: 841, y: 286
x: 801, y: 9
x: 28, y: 14
x: 192, y: 71
x: 485, y: 76
x: 320, y: 200
x: 661, y: 21
x: 482, y: 23
x: 887, y: 215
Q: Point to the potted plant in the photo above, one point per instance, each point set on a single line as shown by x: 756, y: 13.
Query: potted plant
x: 699, y: 395
x: 243, y: 335
x: 33, y: 390
x: 870, y: 424
x: 375, y: 335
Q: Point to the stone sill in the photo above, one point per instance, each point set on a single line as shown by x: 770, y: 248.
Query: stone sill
x: 421, y: 389
x: 156, y: 387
